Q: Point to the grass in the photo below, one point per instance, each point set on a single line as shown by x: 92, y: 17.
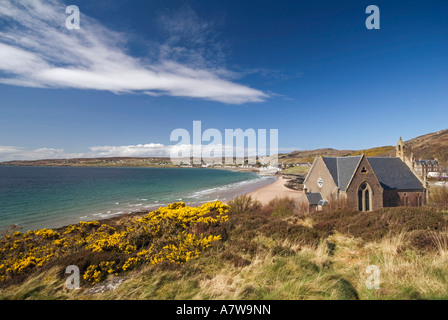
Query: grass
x: 375, y: 152
x: 266, y: 255
x: 438, y: 197
x: 303, y: 170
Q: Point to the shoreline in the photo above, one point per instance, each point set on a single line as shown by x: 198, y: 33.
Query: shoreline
x: 264, y: 193
x: 277, y: 189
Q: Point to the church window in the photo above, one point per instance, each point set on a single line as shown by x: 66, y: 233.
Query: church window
x: 364, y: 197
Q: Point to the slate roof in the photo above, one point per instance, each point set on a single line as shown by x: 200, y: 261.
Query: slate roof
x: 342, y: 169
x: 314, y: 197
x: 394, y: 174
x: 427, y: 162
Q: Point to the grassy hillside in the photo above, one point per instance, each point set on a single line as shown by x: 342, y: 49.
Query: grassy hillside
x: 429, y: 146
x: 387, y: 151
x: 308, y: 156
x: 276, y: 252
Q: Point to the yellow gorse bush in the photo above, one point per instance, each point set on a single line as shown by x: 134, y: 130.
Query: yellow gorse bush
x: 21, y: 252
x: 98, y: 272
x: 166, y: 234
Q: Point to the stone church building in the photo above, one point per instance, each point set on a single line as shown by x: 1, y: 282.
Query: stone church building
x: 364, y: 183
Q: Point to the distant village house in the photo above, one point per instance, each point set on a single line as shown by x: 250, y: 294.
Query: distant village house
x: 427, y: 167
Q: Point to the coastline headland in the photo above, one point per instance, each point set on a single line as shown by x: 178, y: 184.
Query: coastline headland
x: 110, y: 200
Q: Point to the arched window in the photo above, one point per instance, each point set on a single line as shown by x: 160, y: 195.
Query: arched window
x: 364, y: 197
x: 367, y: 200
x: 360, y: 202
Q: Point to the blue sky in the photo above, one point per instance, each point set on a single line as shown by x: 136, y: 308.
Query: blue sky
x: 137, y: 70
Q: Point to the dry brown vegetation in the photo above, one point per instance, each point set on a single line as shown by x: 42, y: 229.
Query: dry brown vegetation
x: 438, y: 197
x: 276, y: 252
x: 430, y: 146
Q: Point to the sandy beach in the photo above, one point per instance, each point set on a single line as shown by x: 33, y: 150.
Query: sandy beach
x: 276, y: 189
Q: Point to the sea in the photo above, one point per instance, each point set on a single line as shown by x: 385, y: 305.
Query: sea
x: 50, y: 197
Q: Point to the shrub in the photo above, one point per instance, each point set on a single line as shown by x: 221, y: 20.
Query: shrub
x: 282, y: 230
x: 281, y: 207
x: 335, y: 203
x: 235, y: 259
x: 421, y: 240
x: 372, y: 226
x: 245, y: 226
x: 244, y: 246
x: 162, y: 235
x: 98, y: 273
x: 244, y: 205
x: 303, y: 208
x: 438, y: 197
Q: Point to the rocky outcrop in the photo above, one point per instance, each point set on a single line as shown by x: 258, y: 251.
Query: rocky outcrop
x: 295, y: 181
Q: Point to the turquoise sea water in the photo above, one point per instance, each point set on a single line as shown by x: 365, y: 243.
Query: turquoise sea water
x: 50, y: 197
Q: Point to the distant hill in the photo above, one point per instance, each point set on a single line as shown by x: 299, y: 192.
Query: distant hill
x: 428, y: 146
x: 308, y: 156
x: 93, y: 162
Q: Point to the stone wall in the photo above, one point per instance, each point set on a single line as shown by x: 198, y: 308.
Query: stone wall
x: 320, y: 171
x: 364, y: 173
x: 403, y: 198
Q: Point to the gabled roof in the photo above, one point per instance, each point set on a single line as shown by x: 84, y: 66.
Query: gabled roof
x: 341, y: 169
x: 393, y: 173
x: 314, y: 197
x: 427, y: 162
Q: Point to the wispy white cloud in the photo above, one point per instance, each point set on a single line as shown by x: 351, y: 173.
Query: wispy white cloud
x: 186, y: 37
x: 36, y: 50
x: 140, y: 150
x: 9, y: 153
